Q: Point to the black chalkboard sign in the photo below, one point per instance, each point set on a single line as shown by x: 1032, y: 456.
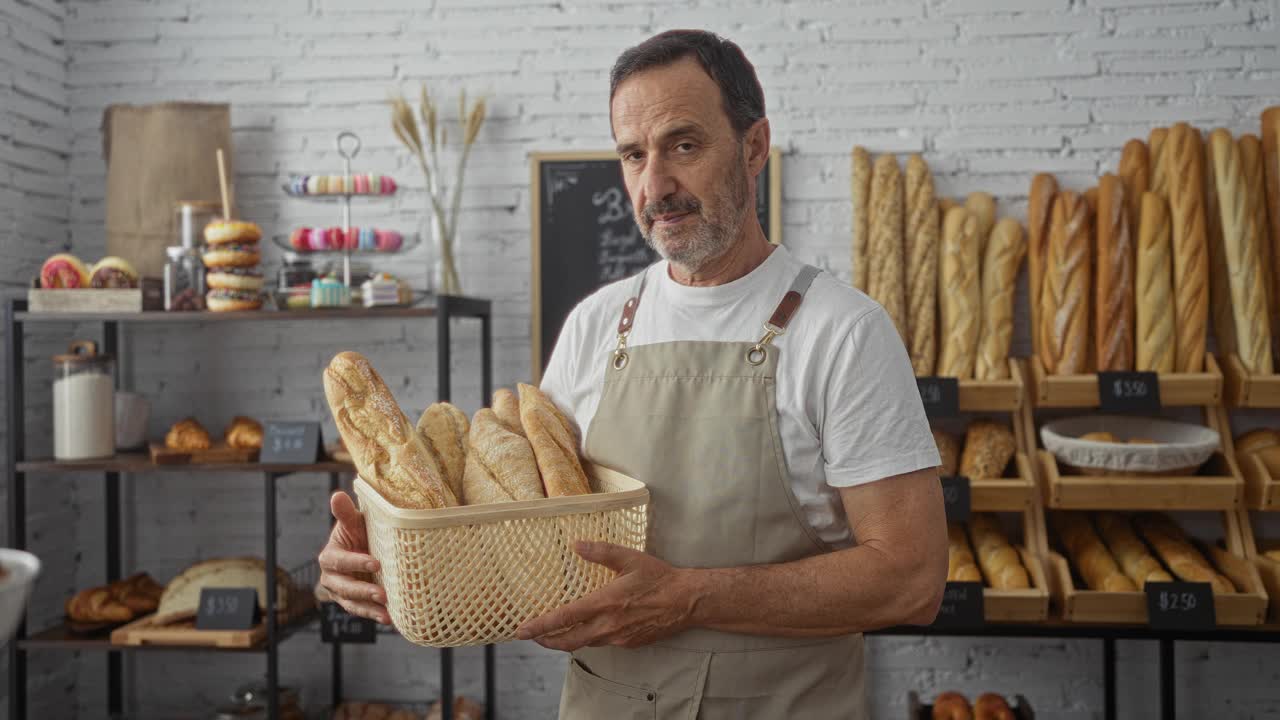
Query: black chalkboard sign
x: 1120, y: 392
x: 956, y: 497
x: 940, y: 396
x: 1180, y: 606
x: 339, y: 626
x: 290, y: 442
x: 961, y: 606
x: 227, y: 609
x: 585, y: 236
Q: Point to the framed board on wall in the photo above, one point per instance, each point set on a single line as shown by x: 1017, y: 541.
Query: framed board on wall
x: 585, y: 235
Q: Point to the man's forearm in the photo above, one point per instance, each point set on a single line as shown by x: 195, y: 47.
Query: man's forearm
x: 854, y: 590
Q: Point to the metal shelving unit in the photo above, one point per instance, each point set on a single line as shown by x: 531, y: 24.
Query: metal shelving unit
x: 17, y: 466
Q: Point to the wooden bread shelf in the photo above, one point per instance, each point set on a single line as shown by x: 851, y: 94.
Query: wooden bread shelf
x: 1217, y: 487
x: 141, y: 463
x: 1268, y: 569
x: 1258, y: 469
x: 1005, y: 494
x: 61, y: 637
x: 1029, y: 605
x: 1246, y: 607
x: 1081, y: 391
x: 993, y: 395
x: 1243, y: 389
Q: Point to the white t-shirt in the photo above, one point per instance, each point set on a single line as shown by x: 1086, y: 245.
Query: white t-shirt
x: 848, y: 406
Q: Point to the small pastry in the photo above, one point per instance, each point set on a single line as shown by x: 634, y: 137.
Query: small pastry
x: 188, y: 434
x: 313, y: 185
x: 113, y: 272
x: 63, y: 271
x: 389, y: 240
x: 245, y: 433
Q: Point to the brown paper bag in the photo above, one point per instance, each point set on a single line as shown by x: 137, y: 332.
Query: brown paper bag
x: 157, y: 155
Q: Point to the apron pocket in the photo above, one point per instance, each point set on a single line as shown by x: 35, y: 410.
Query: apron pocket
x: 590, y: 697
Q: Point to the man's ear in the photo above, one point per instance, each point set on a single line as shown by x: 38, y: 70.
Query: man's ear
x: 756, y: 146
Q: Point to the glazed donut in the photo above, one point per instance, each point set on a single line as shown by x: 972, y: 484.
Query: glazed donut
x: 222, y: 300
x: 225, y: 232
x: 231, y: 255
x: 63, y: 271
x: 951, y: 706
x: 991, y: 706
x: 233, y: 278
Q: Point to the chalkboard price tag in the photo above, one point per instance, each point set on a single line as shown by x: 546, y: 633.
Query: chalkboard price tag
x: 961, y: 606
x: 290, y: 442
x: 1180, y: 606
x: 1122, y: 392
x: 955, y: 497
x: 339, y: 626
x: 228, y: 609
x: 940, y: 395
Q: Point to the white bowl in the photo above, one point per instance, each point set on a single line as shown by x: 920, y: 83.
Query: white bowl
x: 21, y: 570
x: 1179, y: 445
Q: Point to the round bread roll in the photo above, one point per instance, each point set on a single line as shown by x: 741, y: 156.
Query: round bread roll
x: 951, y: 706
x: 1255, y: 440
x: 1100, y: 436
x: 244, y: 433
x: 221, y: 232
x: 990, y: 706
x: 188, y: 434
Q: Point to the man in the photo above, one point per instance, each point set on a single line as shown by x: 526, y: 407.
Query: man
x: 770, y: 409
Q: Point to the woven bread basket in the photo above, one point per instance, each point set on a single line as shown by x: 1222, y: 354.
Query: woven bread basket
x: 471, y: 575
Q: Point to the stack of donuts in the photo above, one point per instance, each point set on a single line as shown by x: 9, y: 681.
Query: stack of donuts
x: 307, y: 239
x: 231, y: 261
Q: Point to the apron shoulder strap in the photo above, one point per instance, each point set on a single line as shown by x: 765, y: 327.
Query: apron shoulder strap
x: 791, y: 301
x: 633, y: 303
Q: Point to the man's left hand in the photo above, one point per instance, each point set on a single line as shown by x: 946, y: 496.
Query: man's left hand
x: 649, y: 600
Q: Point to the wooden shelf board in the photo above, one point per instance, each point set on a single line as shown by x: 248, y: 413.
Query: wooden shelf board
x: 141, y: 463
x: 59, y: 637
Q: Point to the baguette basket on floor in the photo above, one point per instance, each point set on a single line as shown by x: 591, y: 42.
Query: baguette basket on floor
x: 471, y: 575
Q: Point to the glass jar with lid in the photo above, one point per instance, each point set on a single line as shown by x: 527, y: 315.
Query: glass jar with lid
x: 183, y: 279
x: 83, y: 403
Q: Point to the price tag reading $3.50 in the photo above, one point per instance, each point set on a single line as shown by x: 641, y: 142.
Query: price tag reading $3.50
x: 1124, y: 392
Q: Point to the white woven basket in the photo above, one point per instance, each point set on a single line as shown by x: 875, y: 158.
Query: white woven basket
x: 472, y: 575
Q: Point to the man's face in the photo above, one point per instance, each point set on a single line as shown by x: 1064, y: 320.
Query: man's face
x: 682, y: 161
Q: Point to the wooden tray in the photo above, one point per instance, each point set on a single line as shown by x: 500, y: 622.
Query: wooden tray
x: 1247, y: 607
x: 993, y: 395
x: 1025, y: 606
x: 1217, y: 487
x: 1245, y: 390
x: 144, y: 631
x: 219, y: 453
x: 1176, y: 389
x: 84, y: 300
x: 1005, y: 494
x: 1261, y: 486
x: 917, y: 710
x: 1268, y: 569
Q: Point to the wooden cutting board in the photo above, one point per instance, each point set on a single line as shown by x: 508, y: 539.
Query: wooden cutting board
x: 219, y: 453
x: 145, y: 631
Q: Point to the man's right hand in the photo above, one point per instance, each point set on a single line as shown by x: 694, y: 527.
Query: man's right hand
x: 345, y: 561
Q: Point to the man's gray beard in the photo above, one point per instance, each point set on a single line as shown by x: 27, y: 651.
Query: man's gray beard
x: 710, y: 239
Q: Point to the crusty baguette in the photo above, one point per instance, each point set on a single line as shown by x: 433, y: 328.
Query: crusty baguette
x: 1044, y: 188
x: 1090, y: 196
x: 1270, y: 134
x: 922, y: 267
x: 1113, y: 280
x: 887, y: 278
x: 1088, y: 555
x: 861, y: 215
x: 444, y: 428
x: 1159, y: 162
x: 983, y: 207
x: 1175, y: 549
x: 959, y: 295
x: 507, y: 407
x: 1156, y: 335
x: 1241, y: 241
x: 555, y: 443
x: 1000, y: 264
x: 998, y: 559
x: 1135, y: 171
x: 988, y: 448
x: 961, y: 567
x: 1255, y: 185
x: 1224, y: 324
x: 1190, y: 247
x: 1131, y: 554
x: 387, y: 450
x: 500, y: 464
x: 1065, y: 296
x: 948, y: 450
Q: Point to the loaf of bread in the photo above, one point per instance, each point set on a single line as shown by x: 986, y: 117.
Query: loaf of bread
x: 1190, y: 247
x: 983, y: 208
x: 945, y: 204
x: 500, y: 464
x: 959, y: 295
x: 1090, y: 196
x: 887, y: 274
x: 386, y: 449
x: 861, y: 216
x: 1173, y: 547
x: 1140, y: 565
x: 444, y: 428
x: 988, y: 448
x: 507, y: 407
x: 1255, y: 186
x: 1255, y: 440
x: 1088, y: 555
x: 181, y: 598
x: 1155, y: 338
x: 1159, y: 162
x: 922, y: 267
x: 1270, y: 134
x: 1064, y: 298
x: 188, y: 434
x: 998, y: 559
x: 1114, y: 279
x: 1241, y: 243
x: 949, y: 450
x: 961, y: 566
x: 555, y: 443
x: 1044, y: 188
x: 1224, y: 323
x: 1135, y: 172
x: 1005, y: 249
x: 97, y: 605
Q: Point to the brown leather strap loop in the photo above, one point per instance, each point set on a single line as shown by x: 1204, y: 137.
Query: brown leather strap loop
x: 628, y: 315
x: 791, y: 301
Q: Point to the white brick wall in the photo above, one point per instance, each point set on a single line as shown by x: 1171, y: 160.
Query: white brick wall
x: 990, y: 90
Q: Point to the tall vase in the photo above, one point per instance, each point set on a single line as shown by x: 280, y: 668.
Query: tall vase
x: 444, y: 271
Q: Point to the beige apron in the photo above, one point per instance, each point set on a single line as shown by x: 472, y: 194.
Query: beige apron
x: 698, y: 423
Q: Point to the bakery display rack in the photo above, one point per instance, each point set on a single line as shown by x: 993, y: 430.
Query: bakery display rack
x: 1081, y: 391
x: 17, y: 317
x: 1247, y: 390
